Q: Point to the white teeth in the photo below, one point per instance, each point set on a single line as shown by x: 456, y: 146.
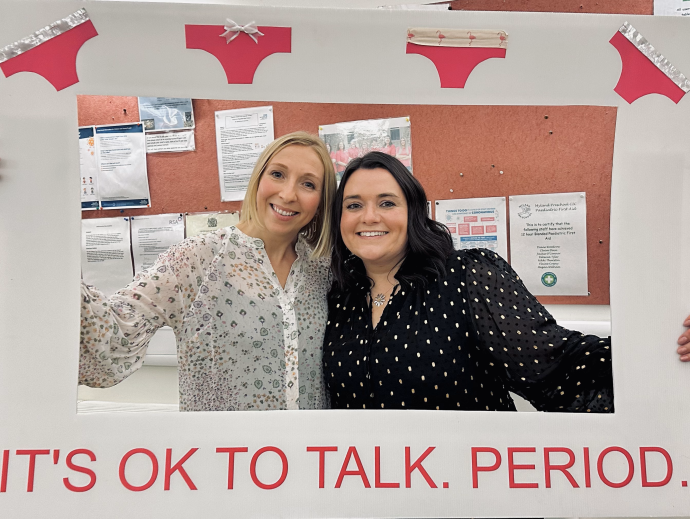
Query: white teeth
x: 373, y: 233
x: 281, y: 212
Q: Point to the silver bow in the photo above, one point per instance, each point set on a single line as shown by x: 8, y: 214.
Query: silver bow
x: 232, y: 30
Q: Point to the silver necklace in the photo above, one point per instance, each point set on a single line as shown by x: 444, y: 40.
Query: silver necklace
x: 379, y: 300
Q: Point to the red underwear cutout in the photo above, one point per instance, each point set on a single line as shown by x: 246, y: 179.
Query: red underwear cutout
x: 241, y: 57
x: 55, y: 59
x: 639, y: 76
x: 455, y: 64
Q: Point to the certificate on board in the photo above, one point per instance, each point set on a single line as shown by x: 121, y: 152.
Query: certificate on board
x: 241, y: 136
x: 475, y: 223
x: 548, y: 242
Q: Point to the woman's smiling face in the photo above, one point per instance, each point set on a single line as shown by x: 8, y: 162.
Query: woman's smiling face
x: 289, y: 191
x: 373, y: 224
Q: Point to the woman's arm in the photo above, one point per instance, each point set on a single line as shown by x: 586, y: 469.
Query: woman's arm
x: 115, y: 331
x: 554, y: 368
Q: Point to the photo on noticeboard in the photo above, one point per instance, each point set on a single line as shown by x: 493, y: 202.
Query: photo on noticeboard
x: 517, y: 185
x: 349, y: 140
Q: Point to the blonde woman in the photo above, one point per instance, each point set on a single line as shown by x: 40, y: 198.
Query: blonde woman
x: 247, y: 303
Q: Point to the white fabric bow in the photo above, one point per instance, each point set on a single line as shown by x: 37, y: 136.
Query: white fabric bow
x: 232, y: 30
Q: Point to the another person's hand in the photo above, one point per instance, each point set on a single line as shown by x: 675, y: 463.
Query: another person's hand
x: 684, y: 342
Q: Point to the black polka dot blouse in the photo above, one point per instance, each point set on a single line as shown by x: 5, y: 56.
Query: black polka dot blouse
x: 462, y: 342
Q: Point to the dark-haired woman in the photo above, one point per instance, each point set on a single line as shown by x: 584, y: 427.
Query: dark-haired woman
x: 414, y: 324
x: 388, y: 147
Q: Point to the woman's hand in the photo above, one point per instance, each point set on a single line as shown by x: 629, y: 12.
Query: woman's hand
x: 684, y: 342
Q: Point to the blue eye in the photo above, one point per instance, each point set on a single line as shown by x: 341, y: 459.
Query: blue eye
x: 387, y: 203
x: 352, y: 206
x: 310, y: 185
x: 276, y: 174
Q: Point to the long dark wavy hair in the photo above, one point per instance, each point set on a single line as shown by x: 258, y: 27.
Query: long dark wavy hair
x: 428, y: 242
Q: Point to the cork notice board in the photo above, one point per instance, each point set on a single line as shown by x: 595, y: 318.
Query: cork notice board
x: 499, y: 150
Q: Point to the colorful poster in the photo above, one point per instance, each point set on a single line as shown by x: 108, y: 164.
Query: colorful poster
x: 475, y: 223
x: 548, y: 242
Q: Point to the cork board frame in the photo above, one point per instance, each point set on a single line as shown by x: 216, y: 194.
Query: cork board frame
x: 500, y: 151
x: 556, y: 60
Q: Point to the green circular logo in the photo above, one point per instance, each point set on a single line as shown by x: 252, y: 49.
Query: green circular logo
x: 549, y: 279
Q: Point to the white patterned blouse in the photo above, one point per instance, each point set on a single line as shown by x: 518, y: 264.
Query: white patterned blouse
x: 243, y: 341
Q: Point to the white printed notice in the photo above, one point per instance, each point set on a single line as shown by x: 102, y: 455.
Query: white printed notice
x: 200, y: 223
x: 152, y: 235
x: 475, y: 223
x: 122, y: 179
x: 241, y: 136
x: 106, y: 262
x: 672, y: 7
x: 548, y: 242
x: 173, y: 141
x: 88, y: 168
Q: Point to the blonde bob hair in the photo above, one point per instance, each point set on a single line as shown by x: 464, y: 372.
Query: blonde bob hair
x: 317, y: 233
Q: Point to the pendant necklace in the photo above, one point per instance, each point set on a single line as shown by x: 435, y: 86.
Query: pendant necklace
x: 379, y: 299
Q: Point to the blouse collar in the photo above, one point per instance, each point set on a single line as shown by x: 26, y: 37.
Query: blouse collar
x: 301, y: 247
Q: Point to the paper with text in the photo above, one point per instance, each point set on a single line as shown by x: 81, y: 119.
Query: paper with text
x: 106, y: 260
x: 548, y: 242
x: 166, y: 113
x: 672, y: 7
x: 152, y: 235
x: 122, y: 177
x: 173, y: 141
x: 241, y: 136
x: 88, y: 168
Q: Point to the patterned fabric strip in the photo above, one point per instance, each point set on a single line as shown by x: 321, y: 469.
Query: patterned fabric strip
x: 287, y: 296
x: 646, y: 48
x: 480, y: 38
x: 290, y: 334
x: 42, y: 35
